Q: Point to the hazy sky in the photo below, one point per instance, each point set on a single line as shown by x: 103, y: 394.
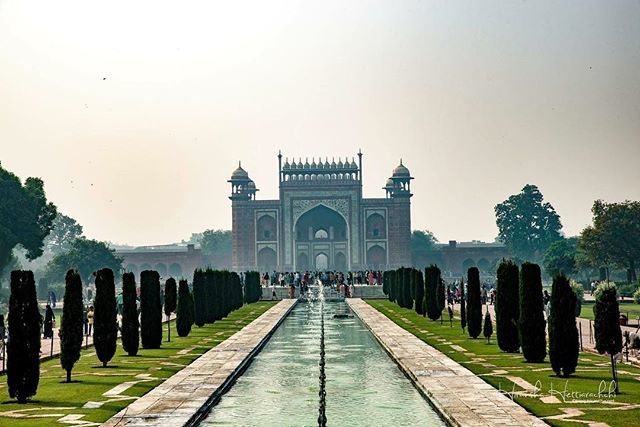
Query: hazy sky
x: 135, y: 113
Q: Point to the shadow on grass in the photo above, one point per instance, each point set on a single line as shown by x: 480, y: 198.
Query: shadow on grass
x: 28, y: 402
x: 71, y: 382
x: 106, y: 367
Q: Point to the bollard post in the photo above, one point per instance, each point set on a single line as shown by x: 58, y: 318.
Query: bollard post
x: 590, y: 333
x: 580, y: 331
x: 51, y: 353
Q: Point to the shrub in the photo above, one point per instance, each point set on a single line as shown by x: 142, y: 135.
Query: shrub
x: 606, y: 325
x: 184, y: 312
x: 578, y: 289
x: 487, y: 328
x: 419, y: 291
x: 532, y: 324
x: 636, y: 296
x: 392, y: 285
x: 432, y: 281
x: 105, y: 324
x: 23, y: 347
x: 170, y: 302
x: 474, y: 303
x: 252, y: 288
x: 150, y: 310
x: 385, y: 283
x: 442, y: 298
x: 71, y: 328
x: 563, y: 334
x: 210, y: 296
x: 130, y: 322
x: 507, y: 307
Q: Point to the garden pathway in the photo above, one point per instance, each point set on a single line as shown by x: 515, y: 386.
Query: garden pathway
x: 460, y: 396
x: 185, y: 396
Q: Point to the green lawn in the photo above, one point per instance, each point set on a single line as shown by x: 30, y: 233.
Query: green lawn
x: 494, y: 366
x: 91, y: 381
x: 629, y: 308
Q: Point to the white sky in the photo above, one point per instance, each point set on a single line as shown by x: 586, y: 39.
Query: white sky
x: 135, y: 113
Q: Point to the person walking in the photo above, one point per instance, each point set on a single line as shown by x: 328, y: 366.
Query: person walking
x: 90, y: 319
x: 49, y: 322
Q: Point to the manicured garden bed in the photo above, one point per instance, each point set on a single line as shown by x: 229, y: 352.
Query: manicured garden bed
x: 56, y: 399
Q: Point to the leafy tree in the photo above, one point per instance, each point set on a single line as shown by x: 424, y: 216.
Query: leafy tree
x: 422, y: 246
x: 150, y: 310
x: 23, y: 347
x: 487, y: 328
x: 216, y: 247
x: 560, y: 257
x: 184, y: 312
x: 532, y: 324
x: 25, y: 216
x: 563, y: 333
x: 474, y: 303
x: 130, y: 322
x: 86, y: 256
x: 71, y: 331
x: 105, y: 324
x: 391, y: 278
x: 65, y: 230
x: 385, y: 283
x: 199, y: 298
x: 252, y: 288
x: 606, y: 325
x: 463, y: 308
x: 419, y: 291
x: 170, y: 302
x: 507, y: 307
x: 526, y: 225
x: 432, y: 281
x: 579, y: 291
x: 614, y: 237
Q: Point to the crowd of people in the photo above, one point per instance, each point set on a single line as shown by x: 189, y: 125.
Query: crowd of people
x: 328, y: 278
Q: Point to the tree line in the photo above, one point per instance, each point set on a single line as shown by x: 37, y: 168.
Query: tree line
x: 214, y: 295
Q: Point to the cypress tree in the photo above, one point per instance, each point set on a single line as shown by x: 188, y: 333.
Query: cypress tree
x: 385, y: 284
x: 170, y: 302
x: 487, y: 329
x: 431, y: 281
x: 391, y: 277
x: 474, y: 303
x: 607, y: 325
x: 419, y: 292
x: 532, y: 324
x: 463, y: 308
x: 150, y: 310
x: 71, y: 328
x: 105, y: 324
x: 23, y: 347
x: 130, y: 322
x: 563, y: 334
x: 184, y: 313
x: 199, y: 298
x: 507, y: 306
x: 209, y: 290
x: 441, y: 298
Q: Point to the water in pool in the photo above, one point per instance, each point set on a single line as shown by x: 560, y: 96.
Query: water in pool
x: 364, y: 387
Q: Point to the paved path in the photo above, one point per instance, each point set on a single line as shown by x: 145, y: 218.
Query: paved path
x: 183, y: 397
x: 463, y: 398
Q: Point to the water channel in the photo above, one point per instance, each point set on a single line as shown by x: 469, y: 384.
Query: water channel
x: 363, y: 385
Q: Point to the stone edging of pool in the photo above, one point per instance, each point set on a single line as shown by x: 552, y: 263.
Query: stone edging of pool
x: 186, y: 397
x: 459, y: 396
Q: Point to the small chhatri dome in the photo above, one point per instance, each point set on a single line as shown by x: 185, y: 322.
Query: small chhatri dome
x: 401, y: 171
x: 313, y: 163
x: 353, y: 164
x: 340, y: 164
x: 239, y: 173
x: 251, y: 185
x: 306, y: 163
x: 389, y: 183
x: 300, y: 163
x: 286, y: 164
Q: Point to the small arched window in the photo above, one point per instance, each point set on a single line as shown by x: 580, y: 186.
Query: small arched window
x: 321, y: 234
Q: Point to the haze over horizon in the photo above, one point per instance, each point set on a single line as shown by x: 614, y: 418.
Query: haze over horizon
x: 135, y: 114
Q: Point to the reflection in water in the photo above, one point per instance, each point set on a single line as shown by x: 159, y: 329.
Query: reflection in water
x: 364, y: 386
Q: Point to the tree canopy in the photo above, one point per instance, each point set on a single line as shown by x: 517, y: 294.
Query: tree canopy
x: 65, y: 230
x: 26, y: 217
x: 86, y: 256
x: 560, y: 257
x: 215, y: 245
x: 422, y: 243
x: 614, y: 237
x: 526, y: 224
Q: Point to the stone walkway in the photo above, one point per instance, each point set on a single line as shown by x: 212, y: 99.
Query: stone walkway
x: 460, y: 396
x: 184, y: 397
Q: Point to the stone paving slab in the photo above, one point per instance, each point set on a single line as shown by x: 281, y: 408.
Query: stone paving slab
x: 461, y: 397
x: 182, y: 396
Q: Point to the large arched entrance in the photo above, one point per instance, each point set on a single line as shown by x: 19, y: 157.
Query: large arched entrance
x: 321, y: 240
x: 267, y: 259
